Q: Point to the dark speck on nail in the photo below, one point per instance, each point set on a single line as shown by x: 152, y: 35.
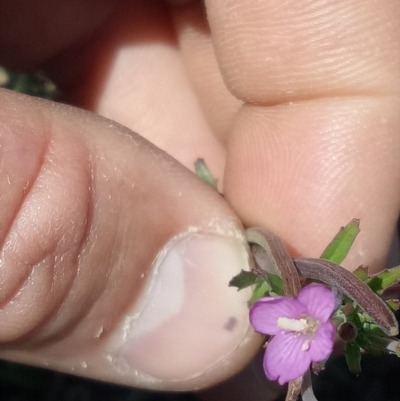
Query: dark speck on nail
x: 230, y: 324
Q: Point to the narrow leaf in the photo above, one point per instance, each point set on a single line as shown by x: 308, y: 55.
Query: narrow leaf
x: 243, y: 280
x: 353, y: 357
x: 362, y: 272
x: 393, y: 304
x: 385, y: 279
x: 368, y: 327
x: 376, y: 285
x: 363, y: 342
x: 203, y: 173
x: 357, y: 319
x: 340, y: 246
x: 276, y: 284
x: 371, y: 329
x: 261, y: 290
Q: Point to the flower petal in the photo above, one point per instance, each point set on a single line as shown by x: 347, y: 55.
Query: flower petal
x: 284, y: 358
x: 319, y: 300
x: 322, y: 344
x: 266, y: 311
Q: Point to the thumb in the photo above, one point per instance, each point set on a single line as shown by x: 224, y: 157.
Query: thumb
x: 115, y: 260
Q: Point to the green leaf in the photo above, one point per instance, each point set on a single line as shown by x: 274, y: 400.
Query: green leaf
x: 393, y: 304
x: 204, y: 174
x: 243, y: 280
x: 261, y: 290
x: 276, y: 284
x: 375, y: 283
x: 372, y: 329
x: 368, y: 327
x: 385, y: 279
x: 362, y: 272
x: 353, y: 357
x: 31, y: 84
x: 362, y: 341
x: 340, y: 246
x: 357, y: 319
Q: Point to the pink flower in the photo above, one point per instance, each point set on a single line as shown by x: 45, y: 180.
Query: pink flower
x: 301, y: 329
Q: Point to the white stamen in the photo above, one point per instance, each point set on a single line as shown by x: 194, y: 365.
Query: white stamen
x: 305, y: 346
x: 297, y: 325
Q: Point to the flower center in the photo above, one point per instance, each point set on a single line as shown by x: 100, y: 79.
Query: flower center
x: 306, y: 325
x: 297, y: 325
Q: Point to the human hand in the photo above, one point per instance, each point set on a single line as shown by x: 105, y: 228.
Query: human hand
x: 314, y: 145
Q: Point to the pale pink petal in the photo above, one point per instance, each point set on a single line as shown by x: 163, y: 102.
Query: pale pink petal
x: 322, y: 344
x: 319, y: 300
x: 266, y: 311
x: 285, y: 359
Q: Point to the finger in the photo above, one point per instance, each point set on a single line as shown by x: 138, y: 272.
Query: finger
x: 138, y: 79
x: 307, y: 49
x: 115, y: 260
x: 121, y: 60
x: 219, y: 106
x: 321, y: 147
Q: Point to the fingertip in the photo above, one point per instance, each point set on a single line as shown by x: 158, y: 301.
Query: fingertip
x: 143, y: 299
x: 305, y: 169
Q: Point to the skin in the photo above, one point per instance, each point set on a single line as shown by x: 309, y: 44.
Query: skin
x: 295, y: 110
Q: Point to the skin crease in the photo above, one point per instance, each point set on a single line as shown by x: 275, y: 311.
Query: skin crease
x: 294, y: 108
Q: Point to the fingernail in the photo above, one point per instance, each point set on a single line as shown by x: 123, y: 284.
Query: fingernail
x: 189, y: 319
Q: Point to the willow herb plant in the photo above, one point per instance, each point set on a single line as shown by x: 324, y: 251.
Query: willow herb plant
x: 304, y: 306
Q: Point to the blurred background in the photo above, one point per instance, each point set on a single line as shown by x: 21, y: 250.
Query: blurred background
x: 378, y: 380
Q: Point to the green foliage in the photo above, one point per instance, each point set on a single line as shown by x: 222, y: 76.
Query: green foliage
x: 393, y: 304
x: 271, y: 284
x: 276, y: 284
x: 30, y: 84
x: 361, y: 272
x: 365, y: 334
x: 384, y: 280
x: 204, y: 174
x: 340, y: 246
x: 261, y: 289
x: 243, y: 280
x: 381, y: 281
x: 353, y: 357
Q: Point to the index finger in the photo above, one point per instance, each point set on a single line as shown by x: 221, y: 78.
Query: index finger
x: 317, y: 142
